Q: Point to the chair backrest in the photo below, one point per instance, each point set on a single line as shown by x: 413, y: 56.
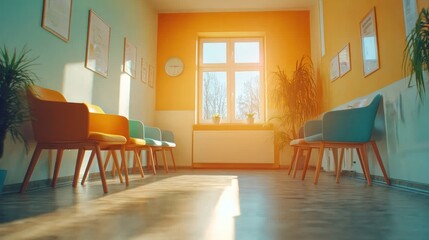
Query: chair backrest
x: 351, y: 125
x: 136, y: 129
x: 94, y: 108
x: 43, y: 103
x: 152, y: 133
x: 370, y: 112
x: 167, y: 136
x: 38, y: 93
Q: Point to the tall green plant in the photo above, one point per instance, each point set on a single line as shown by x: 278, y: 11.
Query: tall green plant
x: 295, y: 99
x: 15, y: 77
x: 416, y: 52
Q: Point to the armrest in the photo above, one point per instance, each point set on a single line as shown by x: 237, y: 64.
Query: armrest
x: 349, y: 125
x: 59, y: 121
x: 109, y: 123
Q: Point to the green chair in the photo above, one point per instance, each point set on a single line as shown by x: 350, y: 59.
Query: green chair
x: 152, y: 137
x: 348, y: 128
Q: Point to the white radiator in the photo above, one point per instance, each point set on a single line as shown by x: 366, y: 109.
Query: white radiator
x: 233, y: 146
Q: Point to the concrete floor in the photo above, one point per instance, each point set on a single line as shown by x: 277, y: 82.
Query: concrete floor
x: 217, y: 204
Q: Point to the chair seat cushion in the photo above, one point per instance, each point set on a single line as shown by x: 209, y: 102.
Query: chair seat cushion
x: 297, y: 141
x: 168, y: 144
x: 153, y: 142
x: 314, y: 138
x: 137, y: 141
x: 106, y: 138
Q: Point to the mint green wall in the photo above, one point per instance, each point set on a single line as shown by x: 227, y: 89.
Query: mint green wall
x: 61, y: 67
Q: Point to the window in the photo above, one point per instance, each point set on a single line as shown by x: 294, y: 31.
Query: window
x: 231, y: 79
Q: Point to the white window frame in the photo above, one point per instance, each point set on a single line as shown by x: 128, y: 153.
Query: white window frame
x: 230, y: 68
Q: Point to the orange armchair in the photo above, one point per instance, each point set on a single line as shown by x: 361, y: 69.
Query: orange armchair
x: 59, y: 125
x: 132, y: 144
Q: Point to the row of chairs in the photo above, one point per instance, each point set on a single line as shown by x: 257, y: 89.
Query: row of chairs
x: 339, y: 130
x: 61, y: 125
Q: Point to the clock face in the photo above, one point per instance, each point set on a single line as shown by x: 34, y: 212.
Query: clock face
x: 174, y: 67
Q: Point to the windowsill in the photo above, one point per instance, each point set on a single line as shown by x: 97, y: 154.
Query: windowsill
x: 231, y: 126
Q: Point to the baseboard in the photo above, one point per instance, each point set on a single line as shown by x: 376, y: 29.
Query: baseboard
x: 395, y: 183
x: 235, y: 166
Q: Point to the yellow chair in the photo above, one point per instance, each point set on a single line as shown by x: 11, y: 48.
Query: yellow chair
x: 58, y: 124
x: 132, y: 144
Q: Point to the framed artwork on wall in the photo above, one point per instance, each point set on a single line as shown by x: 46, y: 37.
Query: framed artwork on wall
x: 97, y: 45
x: 368, y: 31
x: 130, y: 58
x: 144, y: 71
x: 151, y: 76
x: 56, y: 17
x: 344, y: 60
x: 334, y: 68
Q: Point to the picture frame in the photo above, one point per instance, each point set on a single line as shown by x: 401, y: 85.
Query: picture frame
x: 130, y: 58
x: 344, y: 60
x: 97, y: 45
x: 144, y: 71
x: 368, y: 30
x: 334, y: 68
x: 56, y: 18
x: 151, y: 80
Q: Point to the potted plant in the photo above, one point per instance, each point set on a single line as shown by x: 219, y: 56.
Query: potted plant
x: 216, y: 118
x: 250, y: 117
x: 15, y: 77
x: 295, y: 99
x: 416, y: 52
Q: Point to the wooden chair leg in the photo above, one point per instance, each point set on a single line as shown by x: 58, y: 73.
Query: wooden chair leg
x: 172, y: 158
x: 365, y: 163
x: 335, y: 155
x: 116, y: 165
x: 150, y: 160
x: 88, y: 166
x: 139, y: 163
x: 295, y: 151
x: 164, y: 158
x: 298, y: 156
x: 124, y: 166
x: 79, y: 161
x: 380, y: 162
x: 319, y: 162
x: 361, y: 162
x: 101, y: 168
x: 33, y: 162
x: 340, y: 165
x: 307, y: 160
x: 57, y: 166
x: 106, y: 162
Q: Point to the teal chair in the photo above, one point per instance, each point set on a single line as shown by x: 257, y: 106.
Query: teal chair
x: 168, y: 144
x: 152, y: 138
x: 348, y: 128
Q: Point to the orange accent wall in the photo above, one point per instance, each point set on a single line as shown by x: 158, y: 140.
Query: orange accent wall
x: 287, y: 38
x: 342, y: 25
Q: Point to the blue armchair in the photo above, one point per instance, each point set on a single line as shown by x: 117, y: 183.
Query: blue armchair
x: 349, y: 128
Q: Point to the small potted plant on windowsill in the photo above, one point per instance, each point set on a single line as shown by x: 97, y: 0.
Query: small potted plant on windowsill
x: 216, y: 118
x: 250, y: 117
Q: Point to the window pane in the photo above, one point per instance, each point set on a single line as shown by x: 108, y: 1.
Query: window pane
x: 214, y: 97
x: 214, y: 53
x: 246, y: 52
x: 247, y: 94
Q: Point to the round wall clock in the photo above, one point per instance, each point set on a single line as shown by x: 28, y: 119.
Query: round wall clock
x: 174, y: 67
